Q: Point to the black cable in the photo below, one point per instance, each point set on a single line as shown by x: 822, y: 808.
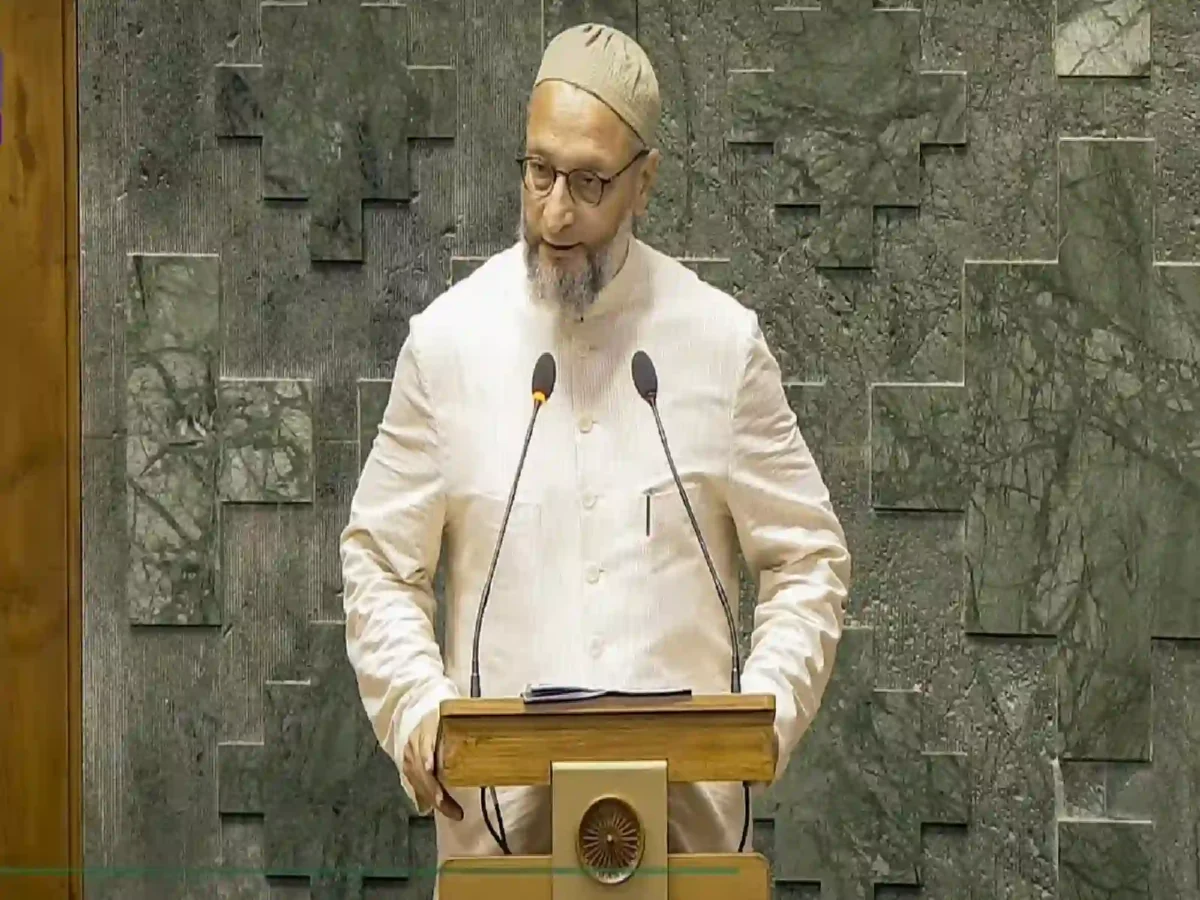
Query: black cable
x: 499, y: 837
x: 746, y: 820
x: 498, y: 834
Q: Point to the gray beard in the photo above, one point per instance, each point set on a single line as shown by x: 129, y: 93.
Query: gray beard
x: 573, y: 292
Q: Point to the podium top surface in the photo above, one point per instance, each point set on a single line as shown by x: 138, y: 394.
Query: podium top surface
x: 694, y: 703
x: 503, y: 741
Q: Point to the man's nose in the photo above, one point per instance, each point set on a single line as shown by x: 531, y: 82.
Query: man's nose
x: 558, y: 211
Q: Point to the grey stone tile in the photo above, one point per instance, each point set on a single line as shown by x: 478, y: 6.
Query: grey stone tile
x: 687, y: 41
x: 336, y: 103
x: 373, y: 395
x: 172, y: 456
x: 269, y: 593
x: 1105, y: 790
x: 462, y: 266
x: 1176, y: 769
x: 1081, y: 789
x: 241, y: 860
x: 1006, y: 697
x: 487, y: 183
x: 848, y: 109
x: 335, y: 811
x: 711, y: 271
x: 266, y: 441
x: 171, y: 757
x: 1102, y: 37
x: 1175, y: 48
x: 240, y: 778
x: 916, y: 435
x: 851, y: 804
x: 238, y: 100
x: 337, y: 477
x: 1104, y: 860
x: 562, y: 14
x: 1079, y: 378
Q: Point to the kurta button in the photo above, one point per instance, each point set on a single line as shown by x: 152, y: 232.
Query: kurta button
x: 597, y: 647
x: 585, y: 423
x: 593, y: 574
x: 589, y: 500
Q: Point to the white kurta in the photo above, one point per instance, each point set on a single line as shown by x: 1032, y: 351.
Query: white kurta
x: 582, y: 594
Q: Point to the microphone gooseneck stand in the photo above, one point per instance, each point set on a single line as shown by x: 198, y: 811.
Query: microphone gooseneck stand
x: 645, y: 379
x: 544, y: 372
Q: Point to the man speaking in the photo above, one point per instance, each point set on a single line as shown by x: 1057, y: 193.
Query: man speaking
x: 601, y: 580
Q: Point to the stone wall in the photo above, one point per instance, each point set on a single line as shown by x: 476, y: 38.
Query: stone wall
x: 971, y: 231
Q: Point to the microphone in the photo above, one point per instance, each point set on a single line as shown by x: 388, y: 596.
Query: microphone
x: 645, y: 379
x: 544, y: 373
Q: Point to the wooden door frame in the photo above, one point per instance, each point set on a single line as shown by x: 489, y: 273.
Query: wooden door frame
x: 41, y: 611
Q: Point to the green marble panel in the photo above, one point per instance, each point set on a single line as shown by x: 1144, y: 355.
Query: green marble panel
x: 373, y: 395
x: 917, y: 432
x: 240, y: 778
x: 852, y: 802
x: 1104, y: 860
x: 172, y: 352
x: 336, y: 102
x: 334, y: 811
x: 1081, y: 376
x: 848, y: 108
x: 1102, y: 37
x: 267, y: 441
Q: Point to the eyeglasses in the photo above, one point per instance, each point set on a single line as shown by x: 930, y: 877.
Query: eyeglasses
x: 584, y: 185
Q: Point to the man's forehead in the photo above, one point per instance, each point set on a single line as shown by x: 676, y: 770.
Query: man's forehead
x: 573, y: 126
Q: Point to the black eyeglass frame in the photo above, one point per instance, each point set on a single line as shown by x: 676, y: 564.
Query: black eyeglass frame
x: 604, y: 182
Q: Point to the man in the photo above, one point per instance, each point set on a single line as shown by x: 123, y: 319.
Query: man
x: 600, y: 581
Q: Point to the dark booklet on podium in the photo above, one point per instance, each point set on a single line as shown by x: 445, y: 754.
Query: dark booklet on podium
x: 559, y: 693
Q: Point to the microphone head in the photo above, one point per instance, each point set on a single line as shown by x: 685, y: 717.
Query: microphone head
x: 544, y: 374
x: 645, y: 379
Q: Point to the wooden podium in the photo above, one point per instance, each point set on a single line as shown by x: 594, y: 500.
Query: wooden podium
x: 608, y: 762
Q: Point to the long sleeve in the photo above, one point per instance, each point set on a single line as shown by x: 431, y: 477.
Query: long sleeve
x: 389, y: 552
x: 795, y: 545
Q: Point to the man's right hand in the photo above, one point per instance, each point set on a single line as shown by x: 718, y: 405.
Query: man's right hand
x: 418, y: 768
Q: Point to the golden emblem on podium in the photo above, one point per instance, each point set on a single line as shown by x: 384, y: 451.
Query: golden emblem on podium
x: 610, y: 841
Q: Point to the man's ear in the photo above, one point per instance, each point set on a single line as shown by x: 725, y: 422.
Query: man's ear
x: 645, y: 182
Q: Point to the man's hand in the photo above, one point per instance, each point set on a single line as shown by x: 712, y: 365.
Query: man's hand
x: 418, y: 768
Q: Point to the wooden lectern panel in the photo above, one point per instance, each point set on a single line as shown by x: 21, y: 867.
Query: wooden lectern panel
x: 697, y: 876
x: 503, y: 741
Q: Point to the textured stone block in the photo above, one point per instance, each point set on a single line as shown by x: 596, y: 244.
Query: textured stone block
x: 1102, y: 37
x: 562, y: 14
x: 1175, y: 781
x: 238, y: 107
x: 848, y: 109
x: 851, y: 804
x: 240, y: 778
x: 336, y: 102
x: 333, y: 808
x: 462, y: 266
x: 1081, y: 381
x: 917, y: 433
x: 373, y: 395
x: 172, y: 354
x: 711, y: 271
x: 267, y: 441
x: 1104, y: 860
x: 1105, y: 790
